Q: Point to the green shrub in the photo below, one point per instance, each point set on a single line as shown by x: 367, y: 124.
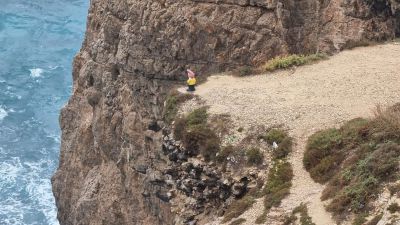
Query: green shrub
x: 284, y: 149
x: 394, y: 189
x: 394, y: 207
x: 322, y: 157
x: 355, y: 132
x: 244, y: 71
x: 238, y: 207
x: 275, y: 135
x: 171, y: 104
x: 305, y: 219
x: 284, y: 62
x: 197, y: 117
x: 375, y: 220
x: 368, y: 154
x: 254, y: 156
x: 261, y: 219
x: 278, y: 184
x: 386, y: 125
x: 238, y: 221
x: 179, y: 128
x: 201, y: 139
x: 224, y: 153
x: 196, y: 135
x: 357, y: 43
x: 360, y: 219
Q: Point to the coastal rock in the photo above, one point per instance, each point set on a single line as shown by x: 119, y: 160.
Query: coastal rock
x: 133, y: 54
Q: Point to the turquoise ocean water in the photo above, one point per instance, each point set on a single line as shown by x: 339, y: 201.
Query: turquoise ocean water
x: 38, y: 39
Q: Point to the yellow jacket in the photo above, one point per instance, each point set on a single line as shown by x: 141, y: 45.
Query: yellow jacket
x: 191, y: 81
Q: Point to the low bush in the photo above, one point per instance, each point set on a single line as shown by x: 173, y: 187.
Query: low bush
x: 196, y: 134
x: 284, y: 62
x: 360, y: 219
x: 254, y: 156
x: 394, y: 207
x: 305, y: 219
x: 261, y: 219
x: 282, y: 139
x: 322, y: 156
x: 224, y: 153
x: 284, y: 148
x: 197, y: 117
x: 237, y: 208
x: 356, y: 161
x: 386, y: 125
x: 201, y: 139
x: 275, y: 135
x: 394, y: 189
x: 278, y: 184
x: 375, y: 220
x: 357, y: 43
x: 171, y: 104
x: 244, y: 71
x: 238, y: 221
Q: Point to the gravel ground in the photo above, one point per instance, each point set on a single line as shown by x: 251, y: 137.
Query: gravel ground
x: 305, y: 100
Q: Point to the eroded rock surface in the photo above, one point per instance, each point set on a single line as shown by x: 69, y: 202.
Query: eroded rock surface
x: 132, y: 53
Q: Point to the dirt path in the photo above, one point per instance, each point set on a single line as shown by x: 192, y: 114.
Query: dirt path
x: 308, y: 99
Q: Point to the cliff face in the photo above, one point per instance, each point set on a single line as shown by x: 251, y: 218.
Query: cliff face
x: 132, y: 53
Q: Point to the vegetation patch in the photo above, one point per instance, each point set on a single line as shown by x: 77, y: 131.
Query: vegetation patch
x: 394, y: 189
x: 356, y: 160
x: 238, y: 221
x: 375, y: 220
x: 238, y: 207
x: 280, y: 176
x: 357, y: 43
x: 284, y: 62
x: 282, y: 139
x: 360, y: 219
x: 278, y: 184
x: 394, y: 207
x: 197, y: 135
x: 171, y: 104
x: 254, y: 156
x: 244, y: 71
x: 305, y: 219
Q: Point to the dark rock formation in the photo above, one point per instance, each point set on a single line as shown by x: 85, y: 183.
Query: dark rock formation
x: 111, y: 137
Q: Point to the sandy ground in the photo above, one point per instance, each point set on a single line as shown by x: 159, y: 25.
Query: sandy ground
x: 307, y: 99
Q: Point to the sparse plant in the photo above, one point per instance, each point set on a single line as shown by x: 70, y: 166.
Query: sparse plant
x: 393, y: 207
x: 360, y: 219
x: 254, y: 156
x: 394, y: 189
x: 238, y: 221
x: 171, y: 104
x: 375, y: 220
x: 245, y: 71
x: 275, y: 135
x: 284, y: 62
x: 278, y: 184
x: 238, y: 207
x: 321, y: 158
x: 305, y: 219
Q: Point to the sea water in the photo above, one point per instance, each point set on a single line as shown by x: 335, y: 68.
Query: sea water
x: 38, y: 39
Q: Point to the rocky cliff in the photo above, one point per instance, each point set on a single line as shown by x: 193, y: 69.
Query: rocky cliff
x: 133, y: 54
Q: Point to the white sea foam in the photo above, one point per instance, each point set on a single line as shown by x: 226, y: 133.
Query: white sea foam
x: 3, y: 113
x: 9, y: 171
x: 36, y: 72
x: 39, y: 189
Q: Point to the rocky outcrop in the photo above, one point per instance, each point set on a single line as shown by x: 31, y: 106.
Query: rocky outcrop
x: 132, y: 53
